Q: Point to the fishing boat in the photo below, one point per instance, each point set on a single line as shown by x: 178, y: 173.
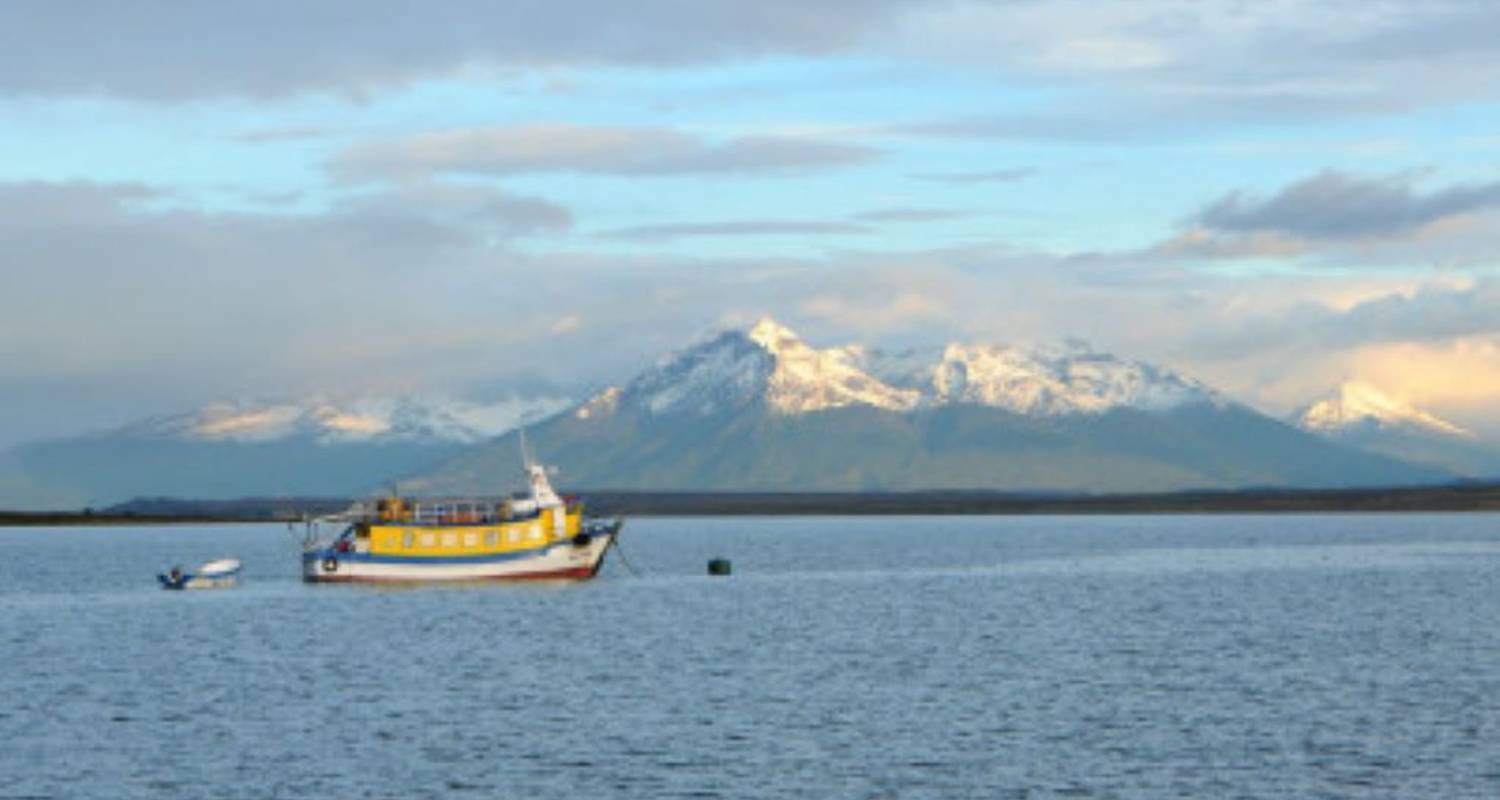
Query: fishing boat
x: 397, y: 539
x: 219, y: 574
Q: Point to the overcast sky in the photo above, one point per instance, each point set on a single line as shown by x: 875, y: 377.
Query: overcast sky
x: 203, y: 201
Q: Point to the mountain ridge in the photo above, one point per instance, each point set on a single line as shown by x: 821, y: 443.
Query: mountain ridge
x: 746, y: 409
x: 1358, y: 414
x: 761, y: 410
x: 771, y: 364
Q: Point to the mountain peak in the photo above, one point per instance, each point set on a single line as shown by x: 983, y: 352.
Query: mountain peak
x: 772, y: 335
x: 1359, y: 403
x: 770, y: 365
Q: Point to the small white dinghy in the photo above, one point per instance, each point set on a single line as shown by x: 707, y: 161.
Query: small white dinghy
x: 220, y: 574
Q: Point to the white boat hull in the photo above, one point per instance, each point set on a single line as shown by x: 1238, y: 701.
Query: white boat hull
x: 220, y: 574
x: 563, y: 559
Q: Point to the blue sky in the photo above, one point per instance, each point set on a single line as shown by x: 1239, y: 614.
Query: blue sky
x: 480, y: 198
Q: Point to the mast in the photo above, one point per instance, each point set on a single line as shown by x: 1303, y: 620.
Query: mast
x: 536, y: 476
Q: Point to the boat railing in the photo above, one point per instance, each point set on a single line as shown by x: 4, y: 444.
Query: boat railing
x: 450, y: 511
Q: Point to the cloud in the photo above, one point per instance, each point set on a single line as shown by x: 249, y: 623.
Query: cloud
x: 909, y: 215
x: 1156, y: 70
x: 1334, y: 219
x: 103, y: 290
x: 482, y: 211
x: 597, y: 149
x: 1429, y: 313
x: 1334, y: 205
x: 566, y: 324
x: 1461, y: 375
x: 418, y: 287
x: 1111, y: 70
x: 887, y: 302
x: 768, y: 227
x: 289, y: 133
x: 856, y: 225
x: 279, y: 47
x: 1199, y: 243
x: 987, y: 176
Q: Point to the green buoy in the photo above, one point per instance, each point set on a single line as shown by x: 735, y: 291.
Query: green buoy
x: 718, y: 566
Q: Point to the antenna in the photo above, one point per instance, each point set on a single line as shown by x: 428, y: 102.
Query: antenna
x: 527, y: 458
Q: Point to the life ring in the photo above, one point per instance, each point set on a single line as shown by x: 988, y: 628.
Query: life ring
x: 330, y: 564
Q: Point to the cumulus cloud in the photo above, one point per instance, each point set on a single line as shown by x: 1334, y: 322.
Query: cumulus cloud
x: 599, y: 149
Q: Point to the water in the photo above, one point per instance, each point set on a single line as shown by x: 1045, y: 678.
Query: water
x: 1138, y: 657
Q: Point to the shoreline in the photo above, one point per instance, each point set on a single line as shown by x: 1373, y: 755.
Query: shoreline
x: 1456, y: 498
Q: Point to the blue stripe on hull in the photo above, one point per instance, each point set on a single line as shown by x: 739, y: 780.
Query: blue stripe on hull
x: 381, y: 558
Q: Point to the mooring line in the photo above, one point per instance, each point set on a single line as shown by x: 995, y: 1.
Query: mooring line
x: 614, y: 541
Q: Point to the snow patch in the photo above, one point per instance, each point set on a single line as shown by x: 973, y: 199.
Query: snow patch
x: 1358, y: 403
x: 770, y: 364
x: 371, y: 419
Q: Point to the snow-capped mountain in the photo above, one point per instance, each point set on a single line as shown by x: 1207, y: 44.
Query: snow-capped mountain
x: 771, y: 365
x: 760, y: 409
x: 1356, y: 404
x: 1045, y: 381
x: 238, y: 449
x: 378, y: 419
x: 1360, y: 415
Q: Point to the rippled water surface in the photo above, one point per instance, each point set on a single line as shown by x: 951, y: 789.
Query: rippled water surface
x: 1150, y: 657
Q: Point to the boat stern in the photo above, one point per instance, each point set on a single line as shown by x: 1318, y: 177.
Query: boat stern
x: 324, y: 564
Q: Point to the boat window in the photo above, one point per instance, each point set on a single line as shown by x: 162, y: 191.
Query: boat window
x: 450, y: 540
x: 406, y: 539
x: 428, y: 540
x: 536, y: 531
x: 515, y: 535
x: 471, y: 540
x: 491, y: 538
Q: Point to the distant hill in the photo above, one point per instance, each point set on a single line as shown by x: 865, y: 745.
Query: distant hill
x: 1362, y: 416
x: 235, y: 450
x: 760, y: 410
